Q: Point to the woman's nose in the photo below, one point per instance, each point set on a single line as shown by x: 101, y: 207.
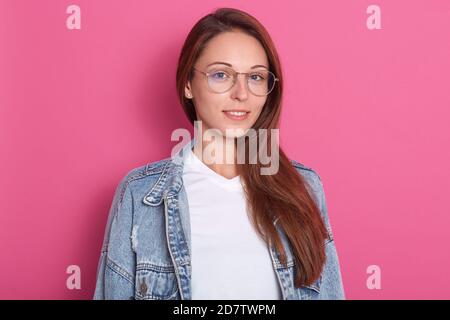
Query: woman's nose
x: 240, y: 89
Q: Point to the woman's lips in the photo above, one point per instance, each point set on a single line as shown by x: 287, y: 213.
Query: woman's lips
x: 236, y: 115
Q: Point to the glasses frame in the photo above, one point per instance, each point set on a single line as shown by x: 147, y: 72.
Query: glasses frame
x: 235, y: 75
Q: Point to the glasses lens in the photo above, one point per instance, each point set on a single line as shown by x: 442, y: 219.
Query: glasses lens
x: 260, y: 82
x: 220, y: 80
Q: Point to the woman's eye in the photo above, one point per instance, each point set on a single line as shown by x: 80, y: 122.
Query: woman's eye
x: 220, y: 75
x: 256, y: 77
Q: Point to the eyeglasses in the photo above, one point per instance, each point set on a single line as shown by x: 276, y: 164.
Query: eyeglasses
x: 260, y: 82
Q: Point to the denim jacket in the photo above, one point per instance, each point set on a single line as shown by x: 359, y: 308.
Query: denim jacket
x: 146, y: 247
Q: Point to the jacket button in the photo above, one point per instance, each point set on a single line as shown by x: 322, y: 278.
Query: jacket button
x: 143, y: 288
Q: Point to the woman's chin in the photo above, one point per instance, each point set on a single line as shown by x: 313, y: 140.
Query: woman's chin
x: 235, y: 132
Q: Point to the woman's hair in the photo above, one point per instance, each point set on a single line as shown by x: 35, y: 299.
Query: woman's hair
x: 282, y: 196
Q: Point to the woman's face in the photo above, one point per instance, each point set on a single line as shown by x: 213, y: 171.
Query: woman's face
x: 242, y: 52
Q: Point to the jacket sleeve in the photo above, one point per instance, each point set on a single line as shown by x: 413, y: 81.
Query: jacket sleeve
x: 331, y: 287
x: 115, y: 271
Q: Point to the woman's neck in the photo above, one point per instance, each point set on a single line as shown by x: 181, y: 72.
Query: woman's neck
x: 219, y: 155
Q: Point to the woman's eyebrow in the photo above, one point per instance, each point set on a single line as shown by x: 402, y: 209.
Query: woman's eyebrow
x: 230, y: 65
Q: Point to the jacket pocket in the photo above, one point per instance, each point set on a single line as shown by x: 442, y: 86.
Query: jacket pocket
x: 155, y: 282
x: 310, y: 292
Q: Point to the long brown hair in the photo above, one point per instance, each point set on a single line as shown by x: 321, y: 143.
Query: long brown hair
x: 282, y: 196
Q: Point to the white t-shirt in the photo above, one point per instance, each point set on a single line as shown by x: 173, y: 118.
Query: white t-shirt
x: 229, y: 259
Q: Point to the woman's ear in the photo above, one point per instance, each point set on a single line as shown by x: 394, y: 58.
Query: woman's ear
x: 187, y: 91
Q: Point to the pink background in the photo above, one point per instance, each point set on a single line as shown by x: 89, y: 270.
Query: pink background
x: 368, y: 109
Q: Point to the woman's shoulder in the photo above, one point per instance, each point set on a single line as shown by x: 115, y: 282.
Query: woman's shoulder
x: 308, y: 173
x: 316, y: 188
x: 139, y: 179
x: 154, y: 168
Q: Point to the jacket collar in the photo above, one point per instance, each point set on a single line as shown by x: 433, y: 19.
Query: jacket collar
x: 170, y: 181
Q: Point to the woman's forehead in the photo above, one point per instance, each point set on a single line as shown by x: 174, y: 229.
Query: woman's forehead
x: 236, y: 49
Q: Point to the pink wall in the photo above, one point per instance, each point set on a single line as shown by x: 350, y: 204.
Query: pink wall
x: 368, y: 109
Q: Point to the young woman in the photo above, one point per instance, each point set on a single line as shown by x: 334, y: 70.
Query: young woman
x: 187, y: 228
